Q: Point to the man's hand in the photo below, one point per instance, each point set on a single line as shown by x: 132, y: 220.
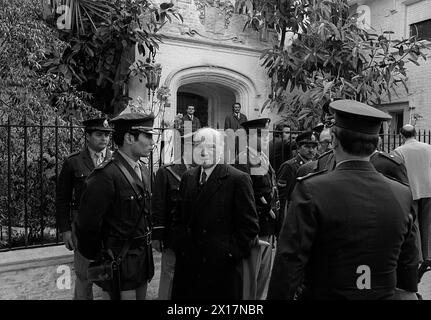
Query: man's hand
x: 68, y: 240
x: 157, y: 244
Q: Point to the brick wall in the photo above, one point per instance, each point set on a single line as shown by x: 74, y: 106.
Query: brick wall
x: 396, y: 16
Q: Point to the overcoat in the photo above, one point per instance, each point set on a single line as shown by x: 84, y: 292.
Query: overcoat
x: 109, y: 211
x: 213, y: 230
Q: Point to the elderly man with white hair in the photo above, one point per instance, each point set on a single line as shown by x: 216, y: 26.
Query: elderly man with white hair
x: 215, y: 226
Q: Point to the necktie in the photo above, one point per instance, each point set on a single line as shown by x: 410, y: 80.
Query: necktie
x: 237, y: 115
x: 99, y: 158
x: 203, y: 179
x: 137, y: 169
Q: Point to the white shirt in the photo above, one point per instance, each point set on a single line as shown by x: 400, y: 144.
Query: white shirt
x: 208, y: 171
x: 417, y: 159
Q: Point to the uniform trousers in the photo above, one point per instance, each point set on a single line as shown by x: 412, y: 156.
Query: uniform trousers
x: 83, y: 288
x: 423, y: 223
x: 166, y: 274
x: 135, y: 294
x: 256, y: 270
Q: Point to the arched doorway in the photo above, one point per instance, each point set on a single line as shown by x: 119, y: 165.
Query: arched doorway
x: 212, y: 102
x: 220, y: 86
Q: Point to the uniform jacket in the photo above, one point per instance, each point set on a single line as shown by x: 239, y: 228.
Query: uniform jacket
x: 327, y: 241
x: 109, y: 211
x: 213, y: 230
x: 196, y: 124
x: 286, y: 176
x: 417, y: 158
x: 232, y: 122
x: 166, y: 195
x: 76, y: 168
x: 388, y: 164
x: 264, y: 188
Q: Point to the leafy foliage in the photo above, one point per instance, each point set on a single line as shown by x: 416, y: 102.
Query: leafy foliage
x: 324, y: 54
x: 101, y: 45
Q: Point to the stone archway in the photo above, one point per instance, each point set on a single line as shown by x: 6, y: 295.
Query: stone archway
x: 241, y: 87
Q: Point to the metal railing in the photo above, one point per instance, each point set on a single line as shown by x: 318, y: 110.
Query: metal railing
x: 31, y: 154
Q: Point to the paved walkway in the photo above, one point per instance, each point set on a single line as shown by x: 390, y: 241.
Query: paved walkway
x: 424, y: 286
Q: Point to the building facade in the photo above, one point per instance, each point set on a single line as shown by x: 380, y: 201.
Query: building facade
x: 404, y: 18
x: 211, y: 62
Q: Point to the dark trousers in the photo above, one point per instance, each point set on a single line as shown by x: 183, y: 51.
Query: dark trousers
x: 422, y: 208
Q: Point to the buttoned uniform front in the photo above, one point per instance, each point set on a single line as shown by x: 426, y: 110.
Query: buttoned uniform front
x: 325, y: 242
x: 286, y: 178
x: 109, y: 211
x: 76, y: 168
x: 388, y: 164
x: 166, y: 195
x: 213, y: 230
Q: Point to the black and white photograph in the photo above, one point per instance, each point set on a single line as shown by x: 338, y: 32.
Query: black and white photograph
x: 222, y: 156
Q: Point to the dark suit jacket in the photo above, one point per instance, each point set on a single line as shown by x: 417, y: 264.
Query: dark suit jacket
x: 196, y: 124
x: 76, y: 168
x: 367, y: 221
x: 232, y: 122
x: 109, y: 211
x: 214, y: 229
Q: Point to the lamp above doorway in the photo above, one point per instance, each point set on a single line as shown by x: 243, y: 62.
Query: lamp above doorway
x: 153, y: 72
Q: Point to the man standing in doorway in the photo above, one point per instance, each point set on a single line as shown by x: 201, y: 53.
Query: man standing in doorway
x: 196, y: 124
x: 417, y: 159
x: 235, y: 119
x: 75, y: 170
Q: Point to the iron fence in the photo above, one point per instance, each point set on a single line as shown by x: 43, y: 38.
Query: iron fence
x: 31, y: 154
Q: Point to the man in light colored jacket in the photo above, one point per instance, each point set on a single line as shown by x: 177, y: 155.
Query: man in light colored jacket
x: 417, y: 159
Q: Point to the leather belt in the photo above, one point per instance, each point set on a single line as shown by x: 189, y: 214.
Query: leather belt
x: 144, y: 240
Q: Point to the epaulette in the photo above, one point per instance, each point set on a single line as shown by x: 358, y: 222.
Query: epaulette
x: 394, y: 179
x: 391, y: 157
x: 325, y: 154
x: 103, y: 164
x: 73, y: 154
x: 311, y: 174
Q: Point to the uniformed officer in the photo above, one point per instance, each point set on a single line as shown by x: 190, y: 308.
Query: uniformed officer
x: 115, y: 207
x: 75, y: 170
x: 258, y: 266
x: 388, y: 164
x: 286, y: 175
x: 359, y: 245
x: 164, y: 201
